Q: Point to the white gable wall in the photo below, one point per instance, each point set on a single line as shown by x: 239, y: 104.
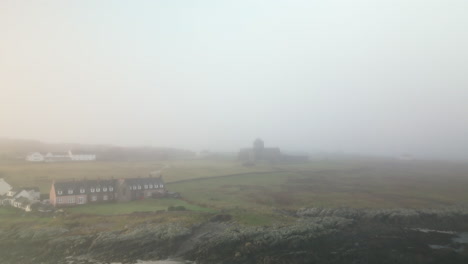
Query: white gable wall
x: 30, y: 195
x: 35, y: 157
x: 83, y: 157
x: 4, y: 187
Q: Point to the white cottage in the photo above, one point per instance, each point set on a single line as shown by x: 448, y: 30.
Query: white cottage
x: 4, y: 187
x: 57, y: 156
x: 24, y: 198
x: 35, y: 157
x: 82, y: 156
x: 60, y: 156
x: 31, y: 194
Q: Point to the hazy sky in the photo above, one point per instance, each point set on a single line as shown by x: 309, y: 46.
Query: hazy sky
x: 368, y: 76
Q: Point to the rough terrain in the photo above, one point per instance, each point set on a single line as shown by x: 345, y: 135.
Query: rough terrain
x: 317, y: 235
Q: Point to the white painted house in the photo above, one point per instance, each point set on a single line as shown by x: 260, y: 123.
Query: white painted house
x: 57, y: 156
x: 4, y: 187
x: 35, y: 157
x: 11, y: 193
x: 23, y: 203
x: 81, y: 156
x: 60, y: 156
x: 31, y: 194
x: 23, y: 198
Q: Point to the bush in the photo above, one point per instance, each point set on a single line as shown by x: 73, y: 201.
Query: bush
x: 176, y: 208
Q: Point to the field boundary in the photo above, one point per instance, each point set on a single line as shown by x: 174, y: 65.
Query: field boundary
x: 226, y: 175
x: 263, y: 172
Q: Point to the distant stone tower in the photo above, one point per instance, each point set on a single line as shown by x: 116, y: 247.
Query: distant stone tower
x: 258, y: 144
x: 258, y: 147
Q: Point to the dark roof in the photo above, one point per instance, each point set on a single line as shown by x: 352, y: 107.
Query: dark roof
x: 143, y: 181
x: 81, y: 152
x: 33, y: 188
x: 76, y: 186
x: 58, y: 153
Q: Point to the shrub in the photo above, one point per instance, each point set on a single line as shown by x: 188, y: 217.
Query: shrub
x: 176, y: 208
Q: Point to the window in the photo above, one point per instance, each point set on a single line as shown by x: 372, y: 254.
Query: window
x: 92, y: 190
x: 70, y: 191
x: 104, y: 197
x: 98, y: 189
x: 139, y: 187
x: 71, y: 200
x: 80, y: 200
x: 161, y: 186
x: 148, y: 194
x: 111, y: 188
x: 60, y: 200
x: 82, y: 190
x: 134, y: 187
x: 146, y: 186
x: 59, y: 192
x: 94, y: 198
x: 151, y: 186
x: 104, y: 189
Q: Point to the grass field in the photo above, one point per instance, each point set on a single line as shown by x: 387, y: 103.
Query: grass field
x: 41, y: 175
x: 148, y: 205
x: 4, y: 211
x: 359, y: 185
x: 251, y: 194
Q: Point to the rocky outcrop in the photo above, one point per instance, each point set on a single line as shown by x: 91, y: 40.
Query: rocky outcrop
x: 452, y: 217
x: 318, y: 235
x: 265, y: 244
x: 147, y: 241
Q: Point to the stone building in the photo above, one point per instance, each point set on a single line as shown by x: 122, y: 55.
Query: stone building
x: 67, y: 193
x: 140, y: 188
x: 259, y: 152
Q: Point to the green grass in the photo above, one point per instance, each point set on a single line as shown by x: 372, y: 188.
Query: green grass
x: 23, y: 173
x: 359, y: 185
x: 42, y: 174
x: 147, y: 205
x: 7, y: 211
x: 14, y: 217
x: 252, y: 194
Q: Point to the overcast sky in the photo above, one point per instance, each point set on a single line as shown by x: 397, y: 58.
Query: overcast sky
x: 364, y: 76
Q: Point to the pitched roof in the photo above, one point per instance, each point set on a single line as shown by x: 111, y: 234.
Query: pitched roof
x: 58, y: 153
x: 143, y: 181
x: 33, y: 188
x: 35, y: 153
x: 81, y: 152
x: 87, y: 185
x: 4, y: 186
x: 77, y: 186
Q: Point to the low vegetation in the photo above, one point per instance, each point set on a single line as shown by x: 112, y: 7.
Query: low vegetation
x: 148, y: 205
x: 262, y: 194
x: 377, y: 185
x: 22, y: 173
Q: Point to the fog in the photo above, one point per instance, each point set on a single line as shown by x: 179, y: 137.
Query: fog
x: 364, y: 76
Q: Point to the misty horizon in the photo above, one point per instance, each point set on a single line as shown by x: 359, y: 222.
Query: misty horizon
x: 366, y: 77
